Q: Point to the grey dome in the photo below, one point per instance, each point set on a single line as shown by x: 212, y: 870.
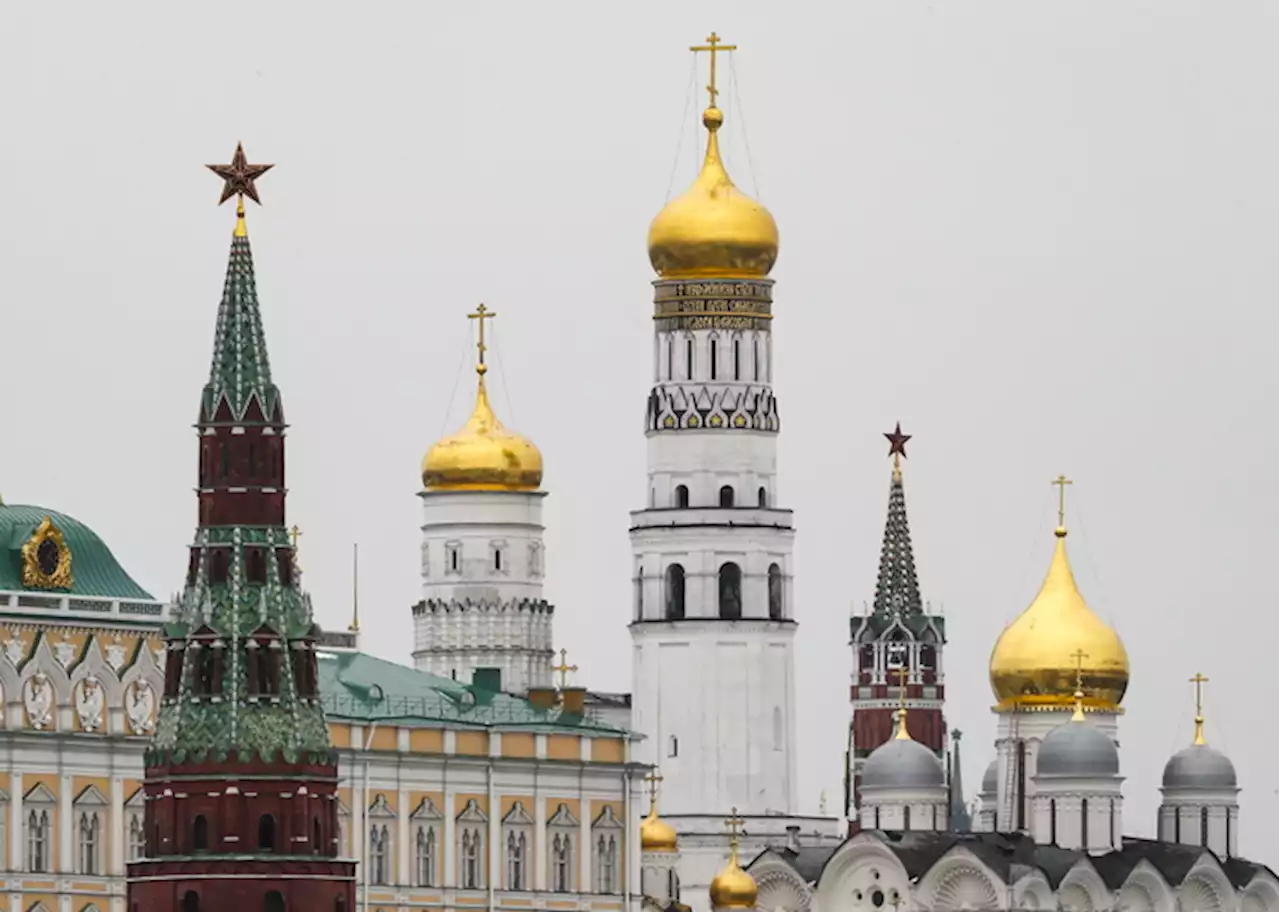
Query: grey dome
x: 1199, y: 767
x: 1077, y: 749
x: 990, y: 778
x: 902, y: 764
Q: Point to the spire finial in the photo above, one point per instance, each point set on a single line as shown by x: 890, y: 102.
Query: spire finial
x: 238, y: 181
x: 563, y: 669
x: 712, y: 118
x: 355, y: 589
x: 294, y: 534
x: 482, y: 313
x: 902, y: 734
x: 1079, y: 655
x: 897, y: 447
x: 653, y: 780
x: 734, y: 823
x: 1199, y: 681
x: 1061, y: 483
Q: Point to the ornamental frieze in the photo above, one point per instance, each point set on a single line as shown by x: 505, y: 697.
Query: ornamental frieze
x: 732, y: 322
x: 700, y: 407
x: 664, y: 291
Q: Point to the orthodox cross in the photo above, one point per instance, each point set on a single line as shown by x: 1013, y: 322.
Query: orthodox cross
x: 1061, y: 483
x: 897, y: 444
x: 1079, y: 655
x: 902, y: 701
x: 293, y: 534
x: 654, y: 779
x: 733, y: 823
x: 482, y: 313
x: 564, y: 668
x: 238, y: 178
x: 1199, y: 681
x: 714, y: 46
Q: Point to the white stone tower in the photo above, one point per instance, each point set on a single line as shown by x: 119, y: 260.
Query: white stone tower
x: 1055, y: 647
x: 482, y: 617
x: 713, y: 622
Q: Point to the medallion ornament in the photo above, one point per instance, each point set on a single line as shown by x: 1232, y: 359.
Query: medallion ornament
x: 46, y: 559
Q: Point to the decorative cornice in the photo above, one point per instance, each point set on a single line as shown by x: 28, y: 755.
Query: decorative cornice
x: 494, y: 606
x: 740, y: 305
x: 716, y: 407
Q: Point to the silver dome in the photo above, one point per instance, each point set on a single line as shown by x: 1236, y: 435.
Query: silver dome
x: 902, y: 764
x: 990, y: 779
x: 1077, y: 749
x: 1199, y: 767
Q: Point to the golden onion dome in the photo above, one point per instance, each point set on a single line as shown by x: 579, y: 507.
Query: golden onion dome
x: 1057, y: 642
x: 713, y: 230
x: 655, y: 835
x: 483, y: 455
x: 733, y: 888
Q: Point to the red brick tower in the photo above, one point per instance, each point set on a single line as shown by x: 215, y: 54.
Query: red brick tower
x: 241, y: 781
x: 897, y: 634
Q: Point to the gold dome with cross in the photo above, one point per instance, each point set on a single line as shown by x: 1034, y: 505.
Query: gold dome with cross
x: 655, y: 835
x: 484, y: 455
x: 733, y: 888
x: 713, y: 229
x: 1036, y: 660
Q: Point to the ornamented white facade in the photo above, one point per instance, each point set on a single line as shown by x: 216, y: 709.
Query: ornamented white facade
x: 482, y: 607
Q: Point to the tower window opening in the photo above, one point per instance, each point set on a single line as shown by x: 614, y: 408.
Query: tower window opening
x: 673, y: 746
x: 682, y: 496
x: 755, y: 359
x: 675, y: 593
x: 762, y: 497
x: 737, y: 359
x: 200, y: 834
x: 1111, y: 817
x: 906, y: 817
x: 730, y: 586
x: 726, y: 496
x: 688, y: 359
x: 1084, y: 824
x: 713, y: 350
x: 671, y: 353
x: 775, y: 592
x: 273, y: 902
x: 1053, y: 822
x: 1020, y: 819
x: 191, y: 901
x: 497, y: 559
x: 267, y: 833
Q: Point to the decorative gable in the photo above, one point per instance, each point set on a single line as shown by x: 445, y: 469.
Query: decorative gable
x: 563, y: 817
x: 136, y: 801
x: 426, y: 810
x: 90, y: 797
x: 39, y: 794
x: 607, y: 820
x: 380, y: 808
x: 518, y: 816
x: 472, y: 813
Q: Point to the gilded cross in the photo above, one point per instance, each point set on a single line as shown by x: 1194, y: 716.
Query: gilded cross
x: 1199, y: 681
x: 654, y: 779
x: 294, y: 533
x: 563, y: 669
x: 1079, y: 655
x: 902, y: 686
x: 734, y: 823
x: 714, y: 46
x: 482, y: 313
x: 1061, y: 483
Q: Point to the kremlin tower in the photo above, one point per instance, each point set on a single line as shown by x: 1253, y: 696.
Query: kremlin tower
x: 897, y: 652
x: 1056, y: 647
x: 482, y: 618
x: 240, y: 779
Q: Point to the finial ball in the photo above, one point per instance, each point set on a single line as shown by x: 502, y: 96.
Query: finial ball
x: 1060, y: 532
x: 712, y: 118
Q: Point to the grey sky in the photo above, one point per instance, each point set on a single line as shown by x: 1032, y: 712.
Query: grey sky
x: 1041, y: 235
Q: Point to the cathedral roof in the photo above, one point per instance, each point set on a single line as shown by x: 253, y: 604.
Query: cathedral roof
x: 357, y: 687
x: 1077, y: 749
x: 94, y: 570
x: 902, y: 763
x: 1199, y: 766
x: 991, y: 778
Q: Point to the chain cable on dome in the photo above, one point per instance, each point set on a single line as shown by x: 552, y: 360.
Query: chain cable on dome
x: 502, y: 375
x: 457, y: 376
x: 1034, y: 539
x: 746, y: 141
x: 684, y: 123
x: 1101, y: 603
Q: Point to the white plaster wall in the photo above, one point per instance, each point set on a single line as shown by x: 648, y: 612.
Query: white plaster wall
x: 885, y: 809
x: 1065, y: 798
x: 497, y: 537
x: 1179, y: 818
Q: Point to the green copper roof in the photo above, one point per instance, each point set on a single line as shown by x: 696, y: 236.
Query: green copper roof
x: 94, y: 569
x: 897, y: 589
x: 240, y: 369
x: 360, y: 688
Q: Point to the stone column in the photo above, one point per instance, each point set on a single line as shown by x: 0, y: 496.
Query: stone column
x: 582, y: 855
x: 117, y: 830
x: 17, y: 834
x: 448, y: 875
x: 404, y: 870
x: 66, y: 828
x: 541, y: 852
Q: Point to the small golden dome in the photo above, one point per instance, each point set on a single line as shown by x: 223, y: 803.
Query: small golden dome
x: 733, y: 888
x: 483, y: 456
x: 655, y: 835
x: 713, y: 230
x: 1037, y: 658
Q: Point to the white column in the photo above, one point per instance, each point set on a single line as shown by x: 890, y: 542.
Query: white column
x: 403, y: 810
x: 17, y: 833
x: 582, y: 852
x: 449, y: 875
x: 117, y: 828
x: 66, y: 860
x: 541, y: 859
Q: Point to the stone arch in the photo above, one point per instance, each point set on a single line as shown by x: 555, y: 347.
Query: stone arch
x: 780, y: 887
x: 93, y: 662
x: 1033, y: 893
x: 959, y: 880
x: 1206, y: 888
x: 1145, y: 890
x: 1260, y: 895
x: 860, y: 866
x: 1082, y: 890
x: 41, y: 661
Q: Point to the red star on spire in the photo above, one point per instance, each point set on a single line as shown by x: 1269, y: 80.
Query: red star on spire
x: 897, y: 442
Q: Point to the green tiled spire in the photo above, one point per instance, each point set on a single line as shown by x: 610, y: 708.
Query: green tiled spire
x: 240, y: 370
x: 897, y: 589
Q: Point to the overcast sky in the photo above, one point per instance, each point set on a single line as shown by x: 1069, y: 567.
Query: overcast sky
x: 1040, y: 235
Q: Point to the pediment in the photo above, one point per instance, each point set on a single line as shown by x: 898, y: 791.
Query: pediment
x: 137, y: 800
x: 607, y: 820
x: 39, y: 794
x: 426, y: 810
x: 517, y: 816
x: 380, y: 808
x: 472, y: 813
x: 90, y: 796
x: 563, y: 817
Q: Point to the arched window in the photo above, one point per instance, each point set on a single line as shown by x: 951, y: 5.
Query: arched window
x: 755, y: 359
x: 191, y: 901
x: 424, y: 857
x: 517, y: 847
x: 726, y: 495
x: 762, y: 497
x: 90, y: 839
x: 471, y: 859
x: 688, y: 359
x: 673, y: 884
x: 682, y: 496
x: 1177, y: 824
x: 1204, y: 826
x: 639, y: 593
x: 737, y: 359
x: 200, y: 834
x: 730, y: 579
x: 606, y: 863
x: 775, y: 592
x: 675, y: 592
x: 1111, y: 817
x: 1084, y: 824
x: 340, y: 904
x: 713, y: 349
x: 379, y: 860
x: 317, y: 844
x: 1053, y: 822
x: 273, y: 902
x: 497, y: 560
x: 267, y: 833
x: 670, y: 355
x: 561, y: 863
x: 38, y: 842
x: 137, y: 838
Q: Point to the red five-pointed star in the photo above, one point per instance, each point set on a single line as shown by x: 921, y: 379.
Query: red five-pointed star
x: 239, y: 176
x: 898, y: 441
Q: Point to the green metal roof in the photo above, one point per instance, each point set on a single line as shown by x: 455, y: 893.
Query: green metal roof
x: 94, y: 569
x: 360, y: 688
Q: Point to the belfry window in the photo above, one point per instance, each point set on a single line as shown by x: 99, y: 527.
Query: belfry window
x: 775, y: 592
x: 675, y: 592
x: 688, y: 359
x: 1084, y: 824
x: 682, y: 496
x: 762, y: 497
x: 730, y: 586
x: 737, y: 359
x: 671, y: 353
x: 713, y: 350
x: 726, y: 496
x: 755, y: 359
